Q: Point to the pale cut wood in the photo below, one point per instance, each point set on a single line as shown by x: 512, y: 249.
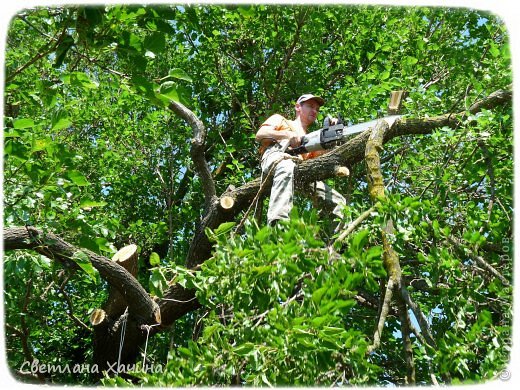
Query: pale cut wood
x: 97, y: 317
x: 227, y: 202
x: 341, y: 171
x: 127, y: 258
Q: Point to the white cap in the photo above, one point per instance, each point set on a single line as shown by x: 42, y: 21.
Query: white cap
x: 310, y: 96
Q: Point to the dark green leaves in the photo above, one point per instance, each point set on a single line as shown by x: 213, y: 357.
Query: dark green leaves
x: 65, y: 45
x: 155, y: 42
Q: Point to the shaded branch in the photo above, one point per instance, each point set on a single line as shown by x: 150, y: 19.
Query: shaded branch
x: 460, y: 248
x: 50, y: 245
x: 404, y: 318
x: 423, y: 322
x: 70, y: 311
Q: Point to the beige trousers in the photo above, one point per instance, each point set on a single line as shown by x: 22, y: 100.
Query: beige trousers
x: 281, y: 199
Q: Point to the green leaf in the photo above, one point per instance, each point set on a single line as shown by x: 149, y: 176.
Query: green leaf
x: 23, y: 123
x: 359, y: 240
x: 180, y: 74
x: 318, y: 294
x: 40, y: 144
x: 103, y: 244
x: 60, y: 120
x: 157, y: 282
x: 244, y: 349
x: 155, y: 259
x: 78, y: 79
x: 224, y: 228
x: 77, y: 178
x: 168, y: 89
x: 155, y: 42
x: 246, y: 11
x: 332, y: 330
x: 89, y: 203
x: 262, y: 269
x: 409, y: 60
x: 319, y: 321
x: 262, y: 234
x: 82, y: 259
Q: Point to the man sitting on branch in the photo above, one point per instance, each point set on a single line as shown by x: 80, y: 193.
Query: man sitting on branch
x: 275, y: 135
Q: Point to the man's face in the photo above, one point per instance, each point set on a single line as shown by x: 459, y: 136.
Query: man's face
x: 308, y: 111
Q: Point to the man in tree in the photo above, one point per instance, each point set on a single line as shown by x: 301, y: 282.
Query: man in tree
x: 273, y: 134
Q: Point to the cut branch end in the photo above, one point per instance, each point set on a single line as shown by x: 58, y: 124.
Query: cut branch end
x: 341, y: 171
x: 227, y: 202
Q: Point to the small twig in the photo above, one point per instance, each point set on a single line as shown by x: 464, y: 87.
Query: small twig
x: 70, y: 312
x: 178, y: 301
x: 354, y: 224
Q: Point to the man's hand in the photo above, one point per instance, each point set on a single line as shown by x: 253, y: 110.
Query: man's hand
x: 294, y: 139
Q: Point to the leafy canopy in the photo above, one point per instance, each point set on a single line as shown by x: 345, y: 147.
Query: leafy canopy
x: 92, y: 152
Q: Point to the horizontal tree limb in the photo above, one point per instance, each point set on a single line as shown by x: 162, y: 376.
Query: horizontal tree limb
x: 140, y: 304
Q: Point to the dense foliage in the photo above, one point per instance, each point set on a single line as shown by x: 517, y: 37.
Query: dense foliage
x: 93, y: 153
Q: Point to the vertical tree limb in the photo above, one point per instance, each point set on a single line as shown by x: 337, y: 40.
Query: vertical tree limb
x: 404, y: 317
x: 385, y: 308
x: 423, y: 322
x: 198, y: 142
x: 390, y: 257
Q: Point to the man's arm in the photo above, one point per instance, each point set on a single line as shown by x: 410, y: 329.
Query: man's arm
x: 268, y: 132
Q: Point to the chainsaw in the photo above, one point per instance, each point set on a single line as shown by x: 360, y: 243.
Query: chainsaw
x: 331, y: 135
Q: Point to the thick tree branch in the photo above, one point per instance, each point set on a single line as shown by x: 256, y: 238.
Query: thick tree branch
x: 176, y: 302
x: 140, y: 304
x: 198, y: 142
x: 391, y: 260
x: 423, y: 322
